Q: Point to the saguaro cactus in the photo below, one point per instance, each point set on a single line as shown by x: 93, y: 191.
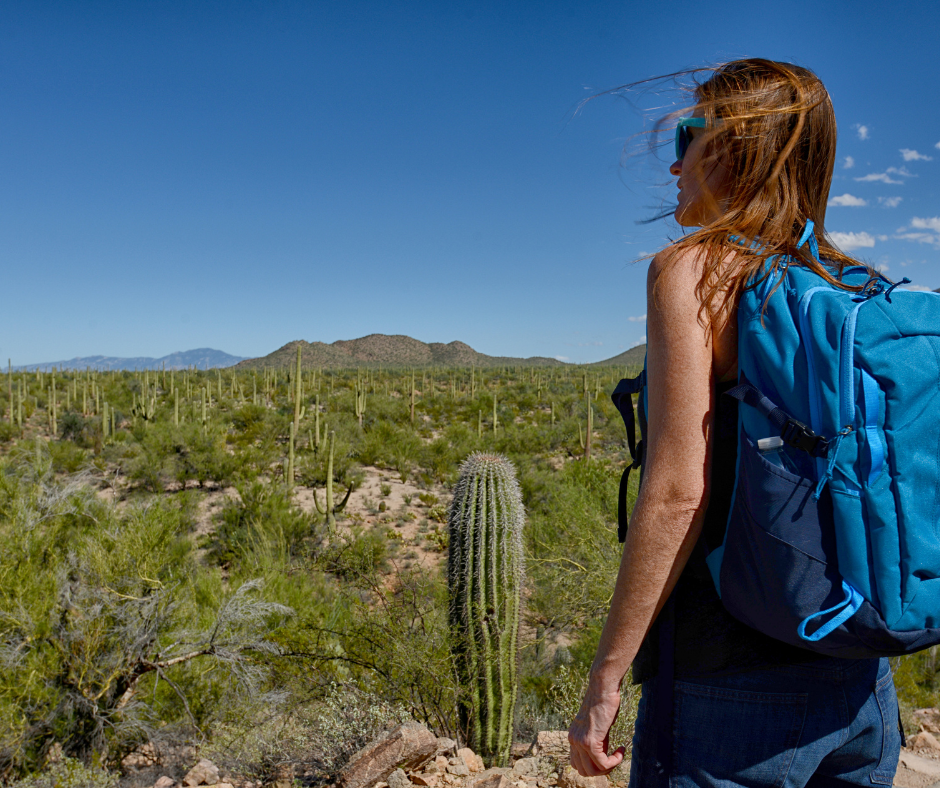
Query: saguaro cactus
x: 360, y: 402
x: 329, y: 509
x: 484, y: 574
x: 299, y: 410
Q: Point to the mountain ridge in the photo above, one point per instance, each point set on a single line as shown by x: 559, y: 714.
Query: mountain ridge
x: 201, y: 358
x: 399, y: 350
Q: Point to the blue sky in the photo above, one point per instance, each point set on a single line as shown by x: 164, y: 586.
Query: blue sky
x: 241, y: 174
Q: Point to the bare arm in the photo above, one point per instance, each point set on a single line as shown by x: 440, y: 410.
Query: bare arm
x: 668, y: 516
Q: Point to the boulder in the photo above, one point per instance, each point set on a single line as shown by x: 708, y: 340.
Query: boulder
x: 526, y: 769
x: 407, y: 747
x: 554, y: 745
x: 445, y: 746
x: 398, y: 779
x: 569, y: 778
x: 165, y: 782
x: 474, y: 762
x: 490, y: 778
x: 203, y: 773
x: 924, y: 740
x: 427, y: 779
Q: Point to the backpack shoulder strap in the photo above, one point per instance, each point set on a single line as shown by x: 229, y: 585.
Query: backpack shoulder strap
x: 622, y: 398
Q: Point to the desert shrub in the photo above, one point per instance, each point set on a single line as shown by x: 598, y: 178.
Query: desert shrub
x: 8, y: 431
x: 72, y: 427
x: 572, y: 539
x: 66, y: 456
x: 69, y: 773
x: 261, y: 511
x: 317, y: 732
x: 93, y: 606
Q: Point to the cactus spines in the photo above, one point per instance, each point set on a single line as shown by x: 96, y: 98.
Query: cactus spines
x: 412, y: 396
x: 484, y: 574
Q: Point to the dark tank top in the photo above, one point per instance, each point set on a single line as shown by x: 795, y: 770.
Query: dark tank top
x: 708, y: 639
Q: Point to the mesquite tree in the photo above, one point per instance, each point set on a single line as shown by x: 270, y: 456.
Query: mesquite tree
x: 484, y: 572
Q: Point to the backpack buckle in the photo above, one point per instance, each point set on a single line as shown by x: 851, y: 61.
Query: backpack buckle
x: 799, y: 436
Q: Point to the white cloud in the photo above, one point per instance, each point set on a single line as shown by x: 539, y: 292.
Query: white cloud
x: 848, y: 162
x: 562, y: 358
x: 937, y: 146
x: 882, y: 237
x: 890, y: 202
x: 913, y: 287
x: 862, y: 131
x: 849, y: 241
x: 913, y: 155
x: 885, y: 177
x: 878, y: 176
x: 848, y: 200
x: 924, y: 231
x: 637, y: 319
x: 933, y: 223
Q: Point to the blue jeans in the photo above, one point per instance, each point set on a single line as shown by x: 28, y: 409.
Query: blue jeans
x: 820, y: 725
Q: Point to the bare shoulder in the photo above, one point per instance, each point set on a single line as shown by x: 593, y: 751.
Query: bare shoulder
x: 674, y: 296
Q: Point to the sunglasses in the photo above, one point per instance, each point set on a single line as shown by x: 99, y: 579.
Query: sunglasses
x: 684, y: 136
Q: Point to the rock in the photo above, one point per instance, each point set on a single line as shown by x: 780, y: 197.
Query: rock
x: 144, y: 756
x: 445, y: 745
x: 554, y: 745
x: 924, y: 740
x: 490, y: 778
x: 524, y: 769
x: 520, y: 749
x: 203, y: 773
x: 474, y: 762
x: 398, y: 779
x: 459, y: 769
x: 441, y: 762
x: 452, y: 779
x: 427, y: 779
x: 928, y: 719
x: 569, y: 778
x: 165, y: 782
x: 916, y: 772
x: 408, y: 746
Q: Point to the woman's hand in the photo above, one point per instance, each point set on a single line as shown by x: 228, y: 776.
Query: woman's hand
x: 589, y: 734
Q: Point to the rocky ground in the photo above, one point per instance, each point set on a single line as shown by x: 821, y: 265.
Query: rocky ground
x: 410, y: 756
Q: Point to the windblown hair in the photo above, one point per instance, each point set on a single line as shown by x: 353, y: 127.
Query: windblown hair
x: 773, y: 127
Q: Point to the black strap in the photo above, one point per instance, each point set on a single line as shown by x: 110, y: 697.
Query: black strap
x: 793, y: 432
x: 623, y: 401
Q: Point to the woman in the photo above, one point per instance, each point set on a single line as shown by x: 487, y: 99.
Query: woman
x: 722, y: 704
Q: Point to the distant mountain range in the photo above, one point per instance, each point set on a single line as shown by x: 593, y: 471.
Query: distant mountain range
x: 201, y: 358
x: 375, y: 350
x: 382, y: 350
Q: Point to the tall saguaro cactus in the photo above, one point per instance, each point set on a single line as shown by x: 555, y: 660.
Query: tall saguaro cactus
x: 484, y: 574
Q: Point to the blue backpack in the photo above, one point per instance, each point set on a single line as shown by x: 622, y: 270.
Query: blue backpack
x: 833, y: 538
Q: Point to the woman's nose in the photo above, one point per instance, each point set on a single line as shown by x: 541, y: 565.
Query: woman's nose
x: 676, y: 168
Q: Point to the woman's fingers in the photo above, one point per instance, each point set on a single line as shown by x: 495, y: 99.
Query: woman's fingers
x: 588, y: 737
